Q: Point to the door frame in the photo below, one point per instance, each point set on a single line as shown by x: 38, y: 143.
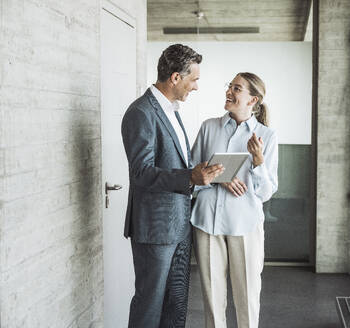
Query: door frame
x: 313, y: 187
x: 111, y: 8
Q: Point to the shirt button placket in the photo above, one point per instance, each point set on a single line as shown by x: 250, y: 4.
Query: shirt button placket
x: 218, y: 210
x: 230, y: 142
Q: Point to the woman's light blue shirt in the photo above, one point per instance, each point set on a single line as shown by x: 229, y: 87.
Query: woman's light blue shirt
x: 217, y: 211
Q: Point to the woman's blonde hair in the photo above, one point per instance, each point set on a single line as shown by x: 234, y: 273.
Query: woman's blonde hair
x: 256, y: 88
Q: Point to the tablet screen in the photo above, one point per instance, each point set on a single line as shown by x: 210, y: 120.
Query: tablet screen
x: 232, y: 162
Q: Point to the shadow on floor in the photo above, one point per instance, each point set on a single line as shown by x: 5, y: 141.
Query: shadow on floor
x: 290, y: 298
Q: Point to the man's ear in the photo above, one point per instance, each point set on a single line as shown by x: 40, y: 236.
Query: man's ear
x: 175, y: 78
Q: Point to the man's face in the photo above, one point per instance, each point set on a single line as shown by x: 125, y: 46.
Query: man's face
x: 187, y: 83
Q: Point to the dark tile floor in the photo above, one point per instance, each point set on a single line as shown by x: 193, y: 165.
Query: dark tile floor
x: 290, y: 298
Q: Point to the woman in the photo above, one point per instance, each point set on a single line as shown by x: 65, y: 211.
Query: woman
x: 228, y: 218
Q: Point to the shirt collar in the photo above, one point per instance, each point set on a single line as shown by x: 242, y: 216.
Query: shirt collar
x: 225, y: 119
x: 164, y: 102
x: 250, y: 123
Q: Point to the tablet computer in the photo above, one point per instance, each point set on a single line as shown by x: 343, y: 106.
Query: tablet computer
x: 232, y: 163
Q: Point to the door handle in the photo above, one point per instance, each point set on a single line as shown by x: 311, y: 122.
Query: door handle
x: 108, y: 188
x: 114, y: 187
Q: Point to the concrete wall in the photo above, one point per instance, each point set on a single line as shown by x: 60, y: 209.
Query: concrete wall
x: 51, y: 228
x: 333, y: 158
x: 51, y: 256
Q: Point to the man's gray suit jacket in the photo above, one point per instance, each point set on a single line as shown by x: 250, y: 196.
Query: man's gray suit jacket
x: 159, y: 203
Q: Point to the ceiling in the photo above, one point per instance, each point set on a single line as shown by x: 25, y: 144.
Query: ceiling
x: 276, y: 20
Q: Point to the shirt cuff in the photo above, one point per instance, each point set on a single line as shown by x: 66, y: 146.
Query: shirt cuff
x: 199, y: 188
x: 259, y: 172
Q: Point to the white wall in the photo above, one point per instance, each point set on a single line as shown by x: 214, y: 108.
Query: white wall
x: 285, y: 67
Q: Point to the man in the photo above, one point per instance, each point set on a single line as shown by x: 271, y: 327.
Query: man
x: 158, y: 213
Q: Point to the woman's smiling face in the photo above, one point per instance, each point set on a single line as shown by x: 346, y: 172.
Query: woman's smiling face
x: 238, y: 98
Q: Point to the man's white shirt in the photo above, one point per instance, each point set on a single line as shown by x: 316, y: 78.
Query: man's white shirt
x: 169, y: 109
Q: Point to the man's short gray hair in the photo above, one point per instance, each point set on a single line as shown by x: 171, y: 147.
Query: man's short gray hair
x: 176, y: 58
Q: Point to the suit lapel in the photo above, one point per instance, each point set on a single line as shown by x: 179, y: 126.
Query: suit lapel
x: 166, y: 122
x: 187, y: 143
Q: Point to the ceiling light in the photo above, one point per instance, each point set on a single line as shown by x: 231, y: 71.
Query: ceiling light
x: 210, y: 30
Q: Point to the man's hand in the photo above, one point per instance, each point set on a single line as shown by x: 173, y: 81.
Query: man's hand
x: 202, y: 174
x: 236, y: 187
x: 255, y: 147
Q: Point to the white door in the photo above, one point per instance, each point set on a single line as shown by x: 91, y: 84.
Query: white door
x: 118, y: 90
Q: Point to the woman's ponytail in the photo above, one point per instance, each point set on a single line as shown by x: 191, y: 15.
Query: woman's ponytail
x: 262, y: 114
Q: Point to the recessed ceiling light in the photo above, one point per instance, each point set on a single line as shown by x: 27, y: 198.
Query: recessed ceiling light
x: 211, y: 30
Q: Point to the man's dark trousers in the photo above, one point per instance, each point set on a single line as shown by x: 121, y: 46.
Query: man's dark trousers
x: 160, y: 299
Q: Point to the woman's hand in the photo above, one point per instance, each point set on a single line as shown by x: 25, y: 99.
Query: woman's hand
x: 255, y: 147
x: 236, y: 187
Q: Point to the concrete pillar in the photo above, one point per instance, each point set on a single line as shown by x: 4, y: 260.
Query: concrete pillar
x: 333, y: 136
